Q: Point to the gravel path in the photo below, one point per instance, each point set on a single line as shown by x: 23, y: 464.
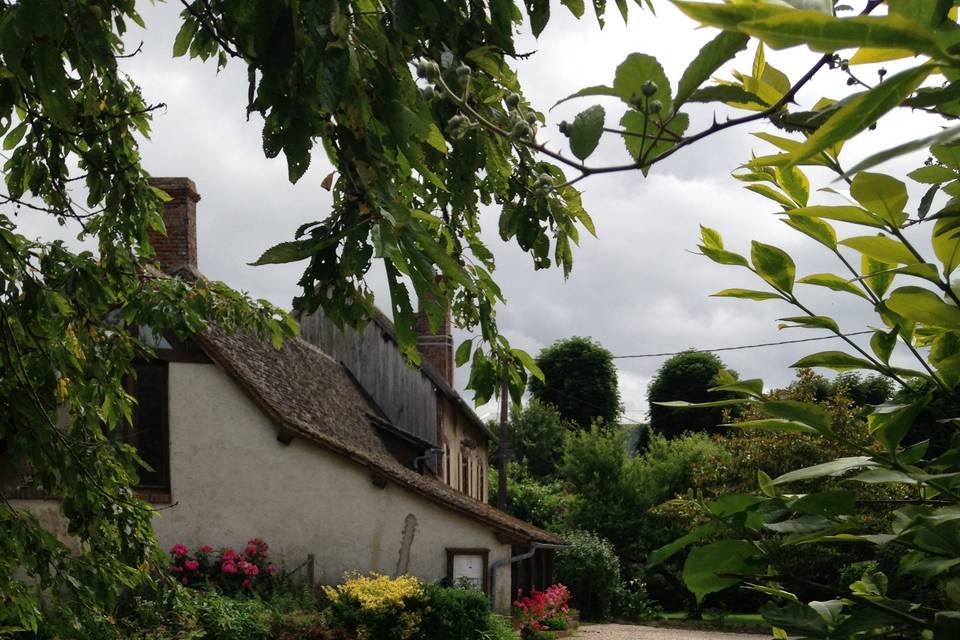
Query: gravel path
x: 634, y: 632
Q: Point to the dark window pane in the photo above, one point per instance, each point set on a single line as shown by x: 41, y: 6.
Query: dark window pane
x: 149, y: 430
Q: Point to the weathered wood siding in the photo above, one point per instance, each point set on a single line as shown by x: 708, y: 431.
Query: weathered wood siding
x: 405, y: 395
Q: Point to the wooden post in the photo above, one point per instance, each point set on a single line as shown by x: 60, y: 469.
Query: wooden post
x: 502, y: 460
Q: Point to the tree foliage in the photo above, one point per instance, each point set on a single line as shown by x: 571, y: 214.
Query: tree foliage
x: 580, y: 380
x: 690, y: 375
x: 418, y: 109
x: 537, y: 434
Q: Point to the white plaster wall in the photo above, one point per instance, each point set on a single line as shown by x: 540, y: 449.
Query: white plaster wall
x: 232, y: 480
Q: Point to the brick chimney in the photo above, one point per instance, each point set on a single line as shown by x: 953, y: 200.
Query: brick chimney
x: 436, y: 348
x: 179, y: 247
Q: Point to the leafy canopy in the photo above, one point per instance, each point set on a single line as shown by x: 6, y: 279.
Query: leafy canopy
x: 579, y: 380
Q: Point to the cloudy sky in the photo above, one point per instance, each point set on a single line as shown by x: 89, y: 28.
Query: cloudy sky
x: 636, y: 289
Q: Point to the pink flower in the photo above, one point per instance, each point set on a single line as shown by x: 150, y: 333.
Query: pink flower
x: 228, y: 567
x: 206, y: 549
x: 251, y: 549
x: 247, y: 584
x: 178, y: 550
x: 176, y: 569
x: 229, y: 555
x: 271, y: 568
x: 251, y: 570
x: 191, y: 565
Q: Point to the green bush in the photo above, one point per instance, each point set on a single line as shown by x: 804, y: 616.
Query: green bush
x: 453, y: 613
x: 632, y: 603
x: 591, y: 570
x: 226, y: 618
x: 498, y: 628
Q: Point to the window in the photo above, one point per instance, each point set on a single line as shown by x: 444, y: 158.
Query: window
x: 468, y: 566
x: 464, y: 472
x: 149, y: 431
x: 446, y: 462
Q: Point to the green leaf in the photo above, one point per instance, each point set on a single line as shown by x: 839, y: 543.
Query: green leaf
x: 878, y: 275
x: 901, y: 149
x: 773, y: 194
x: 882, y: 249
x: 826, y: 34
x: 836, y: 360
x: 722, y: 256
x: 765, y: 483
x: 596, y: 90
x: 946, y: 245
x: 861, y: 112
x: 585, y: 131
x: 463, y: 352
x: 933, y: 174
x: 15, y: 136
x: 730, y: 94
x: 890, y: 427
x: 704, y: 570
x: 796, y: 618
x: 747, y: 294
x: 803, y: 412
x: 285, y: 252
x: 842, y: 213
x: 181, y: 44
x: 924, y: 306
x: 667, y: 551
x: 711, y: 237
x: 795, y: 184
x: 636, y: 70
x: 773, y: 424
x: 773, y: 265
x: 828, y: 504
x: 813, y: 322
x: 833, y: 282
x: 833, y: 468
x: 528, y: 362
x: 575, y: 7
x: 752, y: 387
x: 948, y: 153
x: 882, y: 195
x: 883, y: 342
x: 682, y: 404
x: 710, y: 58
x: 815, y: 228
x: 539, y: 13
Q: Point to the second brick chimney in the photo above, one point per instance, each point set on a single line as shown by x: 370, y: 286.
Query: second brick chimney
x: 436, y: 348
x: 179, y: 247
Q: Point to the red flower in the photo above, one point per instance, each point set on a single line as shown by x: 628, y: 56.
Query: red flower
x: 228, y: 567
x: 178, y: 550
x: 271, y: 568
x: 191, y: 565
x: 206, y: 549
x: 247, y: 584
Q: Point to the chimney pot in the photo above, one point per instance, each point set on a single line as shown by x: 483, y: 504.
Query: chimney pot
x: 179, y: 247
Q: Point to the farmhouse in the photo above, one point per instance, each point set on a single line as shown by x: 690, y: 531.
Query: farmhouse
x: 330, y: 448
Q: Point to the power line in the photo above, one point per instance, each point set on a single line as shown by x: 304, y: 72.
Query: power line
x: 744, y: 346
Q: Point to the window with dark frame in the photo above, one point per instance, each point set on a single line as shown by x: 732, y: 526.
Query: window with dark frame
x: 464, y: 472
x: 149, y: 430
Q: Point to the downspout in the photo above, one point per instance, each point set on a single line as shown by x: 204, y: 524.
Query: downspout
x: 523, y: 556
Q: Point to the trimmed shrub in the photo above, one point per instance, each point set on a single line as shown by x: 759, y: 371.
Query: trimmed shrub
x: 591, y: 570
x: 453, y: 612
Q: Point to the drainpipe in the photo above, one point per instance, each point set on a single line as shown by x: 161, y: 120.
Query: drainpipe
x: 427, y: 454
x: 523, y: 556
